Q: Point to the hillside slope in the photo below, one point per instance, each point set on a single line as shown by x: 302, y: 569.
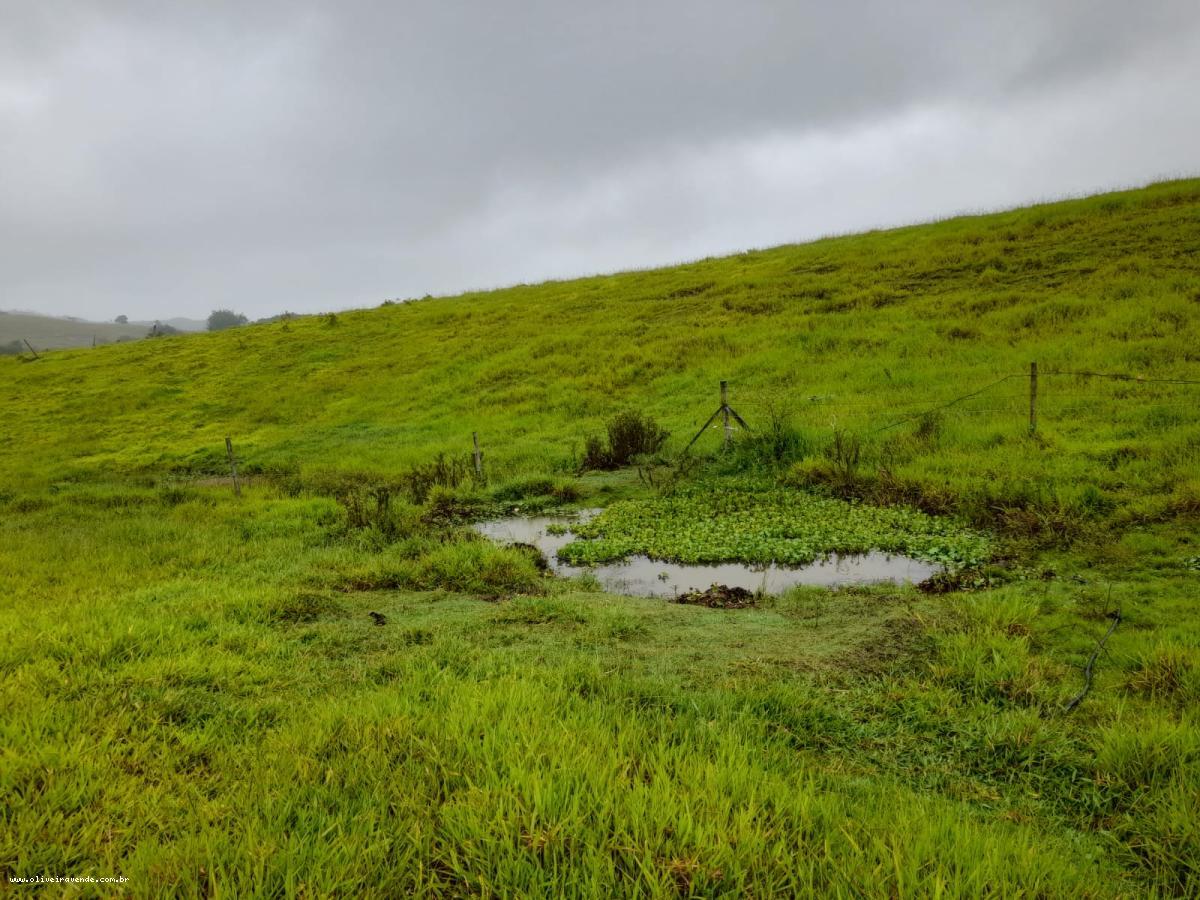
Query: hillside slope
x: 846, y: 331
x: 328, y: 685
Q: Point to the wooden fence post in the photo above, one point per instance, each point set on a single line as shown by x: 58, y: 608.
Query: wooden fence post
x: 478, y: 456
x: 726, y: 412
x: 237, y: 488
x: 725, y: 415
x: 1033, y: 398
x: 31, y: 350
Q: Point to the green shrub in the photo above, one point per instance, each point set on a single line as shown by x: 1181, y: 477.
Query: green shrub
x: 537, y: 486
x: 629, y: 435
x: 441, y: 471
x: 475, y: 567
x: 445, y: 505
x: 373, y: 507
x: 777, y: 443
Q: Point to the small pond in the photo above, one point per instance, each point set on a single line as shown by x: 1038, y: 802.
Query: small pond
x: 641, y: 576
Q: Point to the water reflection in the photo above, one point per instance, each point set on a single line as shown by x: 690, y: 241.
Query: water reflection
x: 644, y: 577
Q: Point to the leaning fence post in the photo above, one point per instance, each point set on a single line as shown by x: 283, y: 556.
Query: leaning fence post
x: 237, y: 488
x: 478, y: 456
x: 725, y: 414
x: 1033, y: 398
x: 31, y: 350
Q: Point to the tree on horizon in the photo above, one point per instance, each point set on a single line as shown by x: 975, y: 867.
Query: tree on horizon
x: 220, y: 319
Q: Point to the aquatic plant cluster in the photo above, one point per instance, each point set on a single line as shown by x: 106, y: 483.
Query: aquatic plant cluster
x: 758, y: 524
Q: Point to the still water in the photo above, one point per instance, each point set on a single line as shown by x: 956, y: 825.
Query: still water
x: 641, y: 576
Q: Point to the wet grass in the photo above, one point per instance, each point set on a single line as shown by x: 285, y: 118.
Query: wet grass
x: 573, y: 742
x: 195, y: 695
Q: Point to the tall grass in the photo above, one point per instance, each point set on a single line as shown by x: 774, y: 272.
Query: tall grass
x: 195, y: 695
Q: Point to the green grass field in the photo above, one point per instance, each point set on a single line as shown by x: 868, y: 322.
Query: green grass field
x: 196, y: 699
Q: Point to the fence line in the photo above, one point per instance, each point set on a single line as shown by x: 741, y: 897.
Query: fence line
x: 1046, y: 402
x: 934, y: 409
x: 1121, y: 377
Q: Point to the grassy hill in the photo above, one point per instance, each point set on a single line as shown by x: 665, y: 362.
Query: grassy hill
x: 57, y: 333
x: 54, y: 333
x: 195, y: 697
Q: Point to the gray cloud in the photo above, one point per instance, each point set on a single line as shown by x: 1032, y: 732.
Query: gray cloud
x: 161, y: 159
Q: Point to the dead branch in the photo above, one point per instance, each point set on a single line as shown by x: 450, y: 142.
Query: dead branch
x: 1087, y: 672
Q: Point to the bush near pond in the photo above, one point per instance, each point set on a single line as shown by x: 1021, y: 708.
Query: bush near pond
x: 630, y: 435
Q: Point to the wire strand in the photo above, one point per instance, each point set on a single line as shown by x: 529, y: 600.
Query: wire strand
x: 934, y: 409
x: 1137, y: 379
x: 857, y: 406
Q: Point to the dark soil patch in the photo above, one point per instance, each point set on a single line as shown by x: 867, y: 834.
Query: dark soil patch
x: 718, y: 596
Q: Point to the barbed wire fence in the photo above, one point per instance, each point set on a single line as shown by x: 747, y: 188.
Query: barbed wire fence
x: 1030, y: 398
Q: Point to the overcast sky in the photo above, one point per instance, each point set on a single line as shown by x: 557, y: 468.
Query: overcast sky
x: 161, y: 159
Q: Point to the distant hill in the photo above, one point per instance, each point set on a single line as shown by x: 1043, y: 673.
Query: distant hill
x: 61, y: 332
x: 52, y: 332
x: 179, y: 323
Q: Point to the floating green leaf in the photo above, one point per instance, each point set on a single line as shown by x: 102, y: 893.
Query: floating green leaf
x: 749, y: 523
